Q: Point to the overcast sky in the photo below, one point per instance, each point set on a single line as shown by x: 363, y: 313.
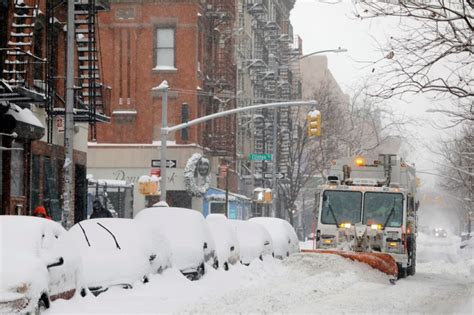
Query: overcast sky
x: 329, y: 26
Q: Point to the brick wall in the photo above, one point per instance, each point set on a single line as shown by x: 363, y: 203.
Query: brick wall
x: 127, y: 41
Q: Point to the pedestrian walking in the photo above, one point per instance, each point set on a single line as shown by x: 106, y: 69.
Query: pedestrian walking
x: 98, y: 211
x: 40, y: 211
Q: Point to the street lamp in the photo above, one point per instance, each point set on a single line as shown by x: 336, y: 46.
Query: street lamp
x: 165, y: 130
x: 338, y: 50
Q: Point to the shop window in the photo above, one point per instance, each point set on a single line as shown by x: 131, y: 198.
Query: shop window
x: 217, y: 207
x: 35, y: 182
x: 17, y: 170
x: 51, y: 191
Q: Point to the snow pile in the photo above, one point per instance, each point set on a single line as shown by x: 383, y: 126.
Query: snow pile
x: 28, y: 245
x: 254, y: 241
x: 443, y: 255
x: 114, y: 251
x: 185, y: 231
x: 225, y: 237
x: 285, y: 241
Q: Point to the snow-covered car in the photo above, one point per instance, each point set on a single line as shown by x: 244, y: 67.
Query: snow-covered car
x: 192, y: 245
x: 116, y: 252
x: 225, y: 237
x: 440, y: 232
x: 285, y: 241
x: 36, y: 265
x: 254, y: 241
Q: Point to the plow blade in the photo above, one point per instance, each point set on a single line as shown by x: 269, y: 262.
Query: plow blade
x: 380, y: 261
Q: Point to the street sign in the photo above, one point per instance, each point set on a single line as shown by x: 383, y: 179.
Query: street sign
x: 270, y: 175
x: 169, y: 163
x: 260, y: 157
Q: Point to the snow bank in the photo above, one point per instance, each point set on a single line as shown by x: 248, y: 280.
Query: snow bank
x: 285, y: 241
x: 225, y: 237
x: 254, y: 240
x: 108, y: 261
x: 185, y: 231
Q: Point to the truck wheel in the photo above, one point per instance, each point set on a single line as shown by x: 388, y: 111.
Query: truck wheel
x: 402, y: 272
x: 42, y: 305
x: 411, y: 270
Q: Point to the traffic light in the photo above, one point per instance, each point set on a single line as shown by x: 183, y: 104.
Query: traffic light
x: 314, y: 123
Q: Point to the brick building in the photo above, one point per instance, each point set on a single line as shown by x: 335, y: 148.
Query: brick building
x: 189, y: 44
x: 32, y: 94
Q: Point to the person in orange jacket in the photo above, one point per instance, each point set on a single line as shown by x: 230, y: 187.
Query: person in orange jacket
x: 40, y: 211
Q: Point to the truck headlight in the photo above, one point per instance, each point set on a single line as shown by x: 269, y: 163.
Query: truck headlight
x: 345, y: 225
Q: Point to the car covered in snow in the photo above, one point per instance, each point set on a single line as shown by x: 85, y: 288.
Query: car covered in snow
x: 254, y: 241
x: 116, y: 252
x: 225, y: 237
x: 285, y: 241
x: 440, y: 232
x: 192, y: 246
x: 36, y: 265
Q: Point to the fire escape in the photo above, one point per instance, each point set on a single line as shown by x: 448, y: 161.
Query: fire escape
x: 17, y: 82
x: 220, y: 80
x: 90, y: 95
x: 30, y: 79
x: 259, y: 72
x: 272, y: 79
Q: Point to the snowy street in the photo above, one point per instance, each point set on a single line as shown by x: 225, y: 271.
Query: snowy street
x: 304, y: 283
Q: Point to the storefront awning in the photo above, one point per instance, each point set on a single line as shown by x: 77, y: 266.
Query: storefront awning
x: 22, y: 121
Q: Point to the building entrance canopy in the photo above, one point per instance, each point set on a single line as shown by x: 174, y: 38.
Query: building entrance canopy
x: 22, y: 121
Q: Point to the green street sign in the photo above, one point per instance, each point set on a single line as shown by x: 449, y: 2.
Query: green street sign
x: 260, y: 157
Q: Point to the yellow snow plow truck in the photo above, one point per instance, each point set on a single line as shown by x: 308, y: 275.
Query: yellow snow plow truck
x: 367, y: 212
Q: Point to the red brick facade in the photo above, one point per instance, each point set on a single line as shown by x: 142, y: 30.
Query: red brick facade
x: 127, y: 44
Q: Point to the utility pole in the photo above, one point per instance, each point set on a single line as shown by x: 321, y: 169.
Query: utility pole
x: 67, y: 215
x: 163, y: 87
x: 227, y: 190
x: 274, y: 168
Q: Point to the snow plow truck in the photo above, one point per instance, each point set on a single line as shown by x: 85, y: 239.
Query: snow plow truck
x: 367, y: 212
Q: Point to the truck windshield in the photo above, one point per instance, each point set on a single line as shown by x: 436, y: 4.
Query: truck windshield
x: 341, y: 207
x: 378, y: 208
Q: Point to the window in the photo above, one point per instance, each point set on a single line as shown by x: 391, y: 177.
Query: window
x: 17, y: 170
x: 184, y: 118
x: 341, y: 207
x: 51, y: 189
x: 217, y: 207
x: 35, y: 181
x: 381, y: 208
x: 165, y: 48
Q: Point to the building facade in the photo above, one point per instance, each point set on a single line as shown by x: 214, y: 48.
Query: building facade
x: 189, y: 44
x: 32, y: 97
x: 265, y: 53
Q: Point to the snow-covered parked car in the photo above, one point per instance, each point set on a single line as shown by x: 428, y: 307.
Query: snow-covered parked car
x: 192, y: 245
x: 254, y: 241
x: 36, y: 265
x: 116, y: 252
x: 225, y: 237
x: 285, y: 241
